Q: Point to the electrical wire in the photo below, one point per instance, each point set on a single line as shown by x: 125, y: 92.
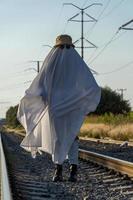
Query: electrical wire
x: 114, y: 38
x: 4, y: 102
x: 14, y: 86
x: 117, y: 69
x: 120, y: 35
x: 98, y: 18
x: 17, y: 74
x: 65, y: 27
x: 113, y: 9
x: 58, y: 20
x: 105, y: 46
x: 92, y: 54
x: 84, y: 3
x: 94, y: 25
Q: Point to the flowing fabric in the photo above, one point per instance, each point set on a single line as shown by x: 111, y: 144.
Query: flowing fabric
x: 53, y: 108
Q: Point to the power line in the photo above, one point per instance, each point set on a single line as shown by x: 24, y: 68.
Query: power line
x: 113, y: 9
x: 65, y: 27
x: 120, y: 35
x: 94, y: 25
x: 15, y: 75
x: 98, y: 18
x: 4, y: 102
x: 118, y: 69
x: 112, y: 39
x: 84, y: 3
x: 105, y: 46
x: 56, y: 26
x: 91, y: 19
x: 14, y: 86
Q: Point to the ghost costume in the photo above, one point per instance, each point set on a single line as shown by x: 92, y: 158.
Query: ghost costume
x: 53, y: 108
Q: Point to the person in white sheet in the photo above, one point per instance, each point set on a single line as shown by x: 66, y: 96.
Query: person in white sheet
x: 55, y: 105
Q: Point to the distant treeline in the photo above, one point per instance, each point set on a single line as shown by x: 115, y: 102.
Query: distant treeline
x: 111, y: 102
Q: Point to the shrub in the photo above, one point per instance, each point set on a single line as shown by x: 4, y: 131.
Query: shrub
x: 109, y: 118
x: 112, y: 102
x: 11, y: 117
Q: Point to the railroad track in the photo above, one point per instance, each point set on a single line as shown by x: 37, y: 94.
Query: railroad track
x: 123, y: 167
x: 31, y: 178
x: 5, y: 191
x: 124, y: 152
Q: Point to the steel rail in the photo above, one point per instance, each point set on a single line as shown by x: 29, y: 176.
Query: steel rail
x: 5, y: 186
x: 121, y: 166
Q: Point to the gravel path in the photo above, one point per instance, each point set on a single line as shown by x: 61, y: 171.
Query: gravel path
x: 114, y: 150
x: 31, y: 178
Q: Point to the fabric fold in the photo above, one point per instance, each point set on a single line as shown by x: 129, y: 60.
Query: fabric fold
x: 53, y: 108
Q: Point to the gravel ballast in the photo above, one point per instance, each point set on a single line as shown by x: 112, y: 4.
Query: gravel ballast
x: 31, y: 179
x: 114, y: 150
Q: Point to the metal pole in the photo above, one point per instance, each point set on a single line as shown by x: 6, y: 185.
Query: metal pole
x: 124, y: 26
x: 38, y: 66
x: 92, y: 19
x: 82, y: 33
x: 122, y: 92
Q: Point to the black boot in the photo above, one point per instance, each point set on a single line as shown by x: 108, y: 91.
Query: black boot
x: 58, y: 173
x: 73, y: 173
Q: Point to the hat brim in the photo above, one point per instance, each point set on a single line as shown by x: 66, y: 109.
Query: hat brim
x: 58, y: 45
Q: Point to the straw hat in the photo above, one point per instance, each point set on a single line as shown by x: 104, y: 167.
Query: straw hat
x: 64, y: 40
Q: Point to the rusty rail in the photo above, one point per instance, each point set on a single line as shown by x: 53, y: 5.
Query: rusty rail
x: 121, y: 166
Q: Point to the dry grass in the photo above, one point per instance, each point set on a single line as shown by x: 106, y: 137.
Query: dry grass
x: 100, y: 130
x: 19, y: 130
x: 117, y: 132
x: 122, y: 132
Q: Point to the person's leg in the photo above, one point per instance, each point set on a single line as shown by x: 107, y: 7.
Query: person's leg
x: 73, y: 160
x: 58, y: 168
x: 73, y: 152
x: 58, y: 173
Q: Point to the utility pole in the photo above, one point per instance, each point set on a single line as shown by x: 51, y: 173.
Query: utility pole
x: 124, y: 26
x: 122, y: 91
x: 92, y: 19
x: 38, y: 65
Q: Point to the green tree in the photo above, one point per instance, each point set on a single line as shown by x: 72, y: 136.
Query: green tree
x: 112, y: 102
x: 11, y: 116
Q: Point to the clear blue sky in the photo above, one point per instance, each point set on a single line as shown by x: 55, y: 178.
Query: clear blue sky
x: 25, y: 25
